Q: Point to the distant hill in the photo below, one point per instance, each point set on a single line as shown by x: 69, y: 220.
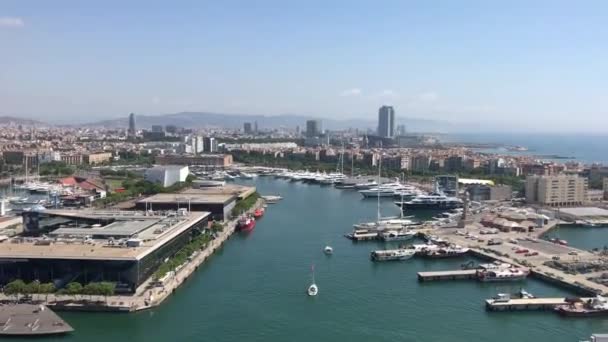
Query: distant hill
x: 203, y: 119
x: 7, y: 120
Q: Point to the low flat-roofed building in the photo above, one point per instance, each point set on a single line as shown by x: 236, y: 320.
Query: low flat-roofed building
x: 591, y: 215
x: 219, y: 205
x: 85, y: 245
x: 95, y: 158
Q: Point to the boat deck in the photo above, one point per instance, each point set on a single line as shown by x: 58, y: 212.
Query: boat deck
x: 30, y: 320
x: 447, y: 275
x: 526, y: 304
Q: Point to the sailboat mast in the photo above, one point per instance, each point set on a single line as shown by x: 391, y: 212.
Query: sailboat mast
x: 379, y: 175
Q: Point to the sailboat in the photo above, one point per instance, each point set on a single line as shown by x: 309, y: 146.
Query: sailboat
x: 387, y: 223
x: 313, y: 290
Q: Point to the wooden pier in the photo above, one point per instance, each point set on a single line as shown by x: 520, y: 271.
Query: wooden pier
x: 526, y: 304
x: 447, y: 275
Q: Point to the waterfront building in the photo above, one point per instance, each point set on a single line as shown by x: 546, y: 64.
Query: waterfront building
x: 557, y: 191
x: 386, y: 122
x: 485, y: 192
x: 313, y: 128
x: 219, y: 205
x: 125, y: 247
x: 167, y: 175
x: 211, y: 160
x: 448, y: 184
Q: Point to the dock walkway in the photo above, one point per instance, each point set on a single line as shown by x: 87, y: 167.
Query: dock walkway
x: 30, y: 320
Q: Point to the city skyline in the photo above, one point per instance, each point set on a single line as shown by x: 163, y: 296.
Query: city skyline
x: 512, y: 67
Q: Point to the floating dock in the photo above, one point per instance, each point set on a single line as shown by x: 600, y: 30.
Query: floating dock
x: 526, y: 304
x: 447, y: 275
x: 30, y: 320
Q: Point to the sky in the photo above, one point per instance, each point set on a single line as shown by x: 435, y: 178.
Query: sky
x: 526, y: 65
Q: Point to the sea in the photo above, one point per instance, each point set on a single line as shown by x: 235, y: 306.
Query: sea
x: 254, y: 288
x: 585, y: 148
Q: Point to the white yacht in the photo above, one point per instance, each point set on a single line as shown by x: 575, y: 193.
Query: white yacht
x: 313, y: 289
x: 432, y: 201
x: 392, y: 255
x: 384, y: 190
x: 366, y: 185
x: 397, y: 235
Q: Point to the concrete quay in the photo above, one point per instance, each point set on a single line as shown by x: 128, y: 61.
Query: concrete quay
x: 507, y: 253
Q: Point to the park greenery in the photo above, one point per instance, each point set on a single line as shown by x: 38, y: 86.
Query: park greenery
x: 56, y: 169
x: 18, y: 286
x: 132, y: 187
x: 245, y: 204
x: 197, y: 243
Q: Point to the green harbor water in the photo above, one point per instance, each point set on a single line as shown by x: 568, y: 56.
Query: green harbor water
x: 253, y: 289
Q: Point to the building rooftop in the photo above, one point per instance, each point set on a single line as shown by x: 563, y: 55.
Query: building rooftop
x: 153, y: 231
x: 241, y: 191
x: 585, y: 212
x: 192, y: 198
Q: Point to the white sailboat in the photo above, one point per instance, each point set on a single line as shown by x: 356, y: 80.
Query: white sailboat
x: 313, y: 289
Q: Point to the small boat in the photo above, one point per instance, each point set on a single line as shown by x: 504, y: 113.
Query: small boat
x: 447, y: 252
x: 258, y: 213
x: 246, y: 224
x: 313, y: 289
x: 397, y: 235
x: 272, y: 199
x: 392, y: 255
x: 525, y: 294
x: 597, y: 306
x: 328, y: 250
x: 509, y: 274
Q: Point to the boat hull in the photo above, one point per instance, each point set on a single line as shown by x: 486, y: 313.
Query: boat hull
x: 246, y: 227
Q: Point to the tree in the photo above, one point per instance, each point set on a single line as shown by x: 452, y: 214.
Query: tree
x: 15, y: 287
x: 47, y: 288
x: 217, y: 227
x: 73, y: 288
x: 33, y: 287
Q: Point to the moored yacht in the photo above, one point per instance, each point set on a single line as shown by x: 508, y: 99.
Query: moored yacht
x: 397, y: 235
x: 506, y: 274
x: 392, y: 255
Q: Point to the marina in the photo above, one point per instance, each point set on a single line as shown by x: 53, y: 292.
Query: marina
x: 344, y: 276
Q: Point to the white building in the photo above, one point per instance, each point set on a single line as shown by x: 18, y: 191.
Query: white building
x: 167, y: 175
x: 556, y: 191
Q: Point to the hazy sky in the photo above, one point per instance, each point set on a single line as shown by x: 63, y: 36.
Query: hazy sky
x: 511, y: 63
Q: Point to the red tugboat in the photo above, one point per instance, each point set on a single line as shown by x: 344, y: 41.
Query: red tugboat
x: 245, y: 224
x: 258, y: 213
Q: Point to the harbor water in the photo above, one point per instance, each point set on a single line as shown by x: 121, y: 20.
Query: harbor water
x: 254, y: 288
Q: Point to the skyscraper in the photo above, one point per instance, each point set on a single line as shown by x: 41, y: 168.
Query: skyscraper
x: 313, y: 128
x: 386, y: 122
x: 131, y: 131
x: 247, y: 127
